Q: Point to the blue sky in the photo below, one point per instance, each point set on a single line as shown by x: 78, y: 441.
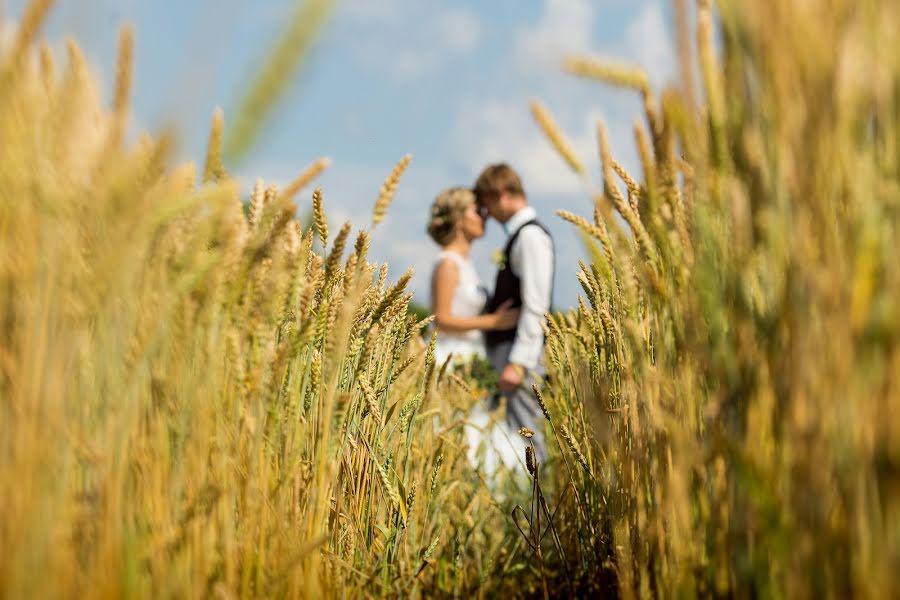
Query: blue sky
x: 447, y: 81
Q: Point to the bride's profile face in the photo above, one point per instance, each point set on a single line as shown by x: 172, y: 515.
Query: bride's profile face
x: 471, y: 224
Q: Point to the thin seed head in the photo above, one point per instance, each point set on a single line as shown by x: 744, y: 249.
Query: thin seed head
x: 431, y: 548
x: 540, y: 399
x: 47, y: 68
x: 350, y: 272
x: 407, y: 410
x: 573, y: 445
x: 556, y: 137
x: 337, y: 251
x: 604, y: 70
x: 411, y: 497
x: 529, y: 459
x: 389, y: 489
x: 257, y: 203
x: 308, y: 174
x: 276, y: 74
x: 214, y: 170
x: 424, y: 323
x: 388, y: 189
x: 319, y: 220
x: 634, y: 190
x: 646, y: 157
x: 434, y: 471
x: 581, y: 223
x: 315, y: 380
x: 403, y: 366
x: 371, y: 401
x: 361, y: 247
x: 432, y: 343
x: 34, y: 18
x: 461, y: 384
x: 392, y: 295
x: 124, y: 76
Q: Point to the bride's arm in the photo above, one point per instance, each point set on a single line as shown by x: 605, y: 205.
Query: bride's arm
x: 443, y: 286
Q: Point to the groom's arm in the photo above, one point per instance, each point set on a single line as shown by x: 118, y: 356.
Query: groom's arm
x: 532, y: 260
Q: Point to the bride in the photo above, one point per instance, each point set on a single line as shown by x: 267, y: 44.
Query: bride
x: 458, y: 299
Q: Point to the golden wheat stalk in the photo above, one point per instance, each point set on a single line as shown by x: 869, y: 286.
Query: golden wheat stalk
x: 35, y: 15
x: 350, y: 272
x: 634, y: 190
x: 214, y: 170
x: 545, y: 121
x: 574, y: 447
x: 371, y: 401
x: 581, y: 223
x: 612, y: 192
x: 183, y: 176
x: 618, y: 74
x: 124, y: 79
x: 48, y: 74
x: 361, y: 246
x: 275, y: 74
x: 646, y: 157
x: 319, y: 220
x: 541, y: 402
x: 709, y: 70
x: 591, y: 274
x: 389, y: 489
x: 605, y: 240
x: 391, y: 296
x: 461, y: 384
x: 337, y: 250
x: 434, y: 472
x: 257, y: 203
x: 388, y: 189
x: 305, y: 177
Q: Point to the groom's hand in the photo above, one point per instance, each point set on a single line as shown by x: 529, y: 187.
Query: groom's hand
x: 512, y: 377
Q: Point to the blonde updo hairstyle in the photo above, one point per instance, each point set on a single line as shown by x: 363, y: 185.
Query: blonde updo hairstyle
x: 446, y: 213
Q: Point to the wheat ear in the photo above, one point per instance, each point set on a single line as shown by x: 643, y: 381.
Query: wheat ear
x: 213, y: 170
x: 321, y: 223
x: 556, y: 137
x: 388, y: 189
x: 308, y: 174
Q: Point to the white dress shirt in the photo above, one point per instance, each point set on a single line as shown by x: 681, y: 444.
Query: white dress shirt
x: 531, y: 260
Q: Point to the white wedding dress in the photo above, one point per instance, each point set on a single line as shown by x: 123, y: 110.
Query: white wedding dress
x: 491, y: 442
x: 469, y: 299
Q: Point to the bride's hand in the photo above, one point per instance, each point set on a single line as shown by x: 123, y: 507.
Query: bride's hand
x: 506, y: 317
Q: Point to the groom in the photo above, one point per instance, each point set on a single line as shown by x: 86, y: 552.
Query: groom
x: 526, y: 278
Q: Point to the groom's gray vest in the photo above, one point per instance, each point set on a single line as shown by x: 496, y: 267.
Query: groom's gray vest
x: 508, y: 287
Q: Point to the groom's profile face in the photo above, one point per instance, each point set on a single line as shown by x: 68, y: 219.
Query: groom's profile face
x: 488, y: 205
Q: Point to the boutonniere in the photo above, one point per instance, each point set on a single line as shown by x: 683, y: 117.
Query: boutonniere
x: 498, y: 257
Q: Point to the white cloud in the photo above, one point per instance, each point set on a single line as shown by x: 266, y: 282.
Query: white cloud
x: 565, y: 26
x: 496, y: 130
x: 411, y: 40
x: 460, y: 30
x: 647, y: 41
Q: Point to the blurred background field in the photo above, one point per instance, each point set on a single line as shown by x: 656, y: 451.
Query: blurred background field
x: 201, y: 395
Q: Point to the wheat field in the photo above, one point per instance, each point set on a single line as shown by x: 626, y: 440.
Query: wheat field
x: 202, y: 396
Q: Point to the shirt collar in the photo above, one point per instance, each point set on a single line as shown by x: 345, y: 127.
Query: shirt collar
x: 516, y: 221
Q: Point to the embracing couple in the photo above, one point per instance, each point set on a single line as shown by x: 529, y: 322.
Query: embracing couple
x: 505, y: 327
